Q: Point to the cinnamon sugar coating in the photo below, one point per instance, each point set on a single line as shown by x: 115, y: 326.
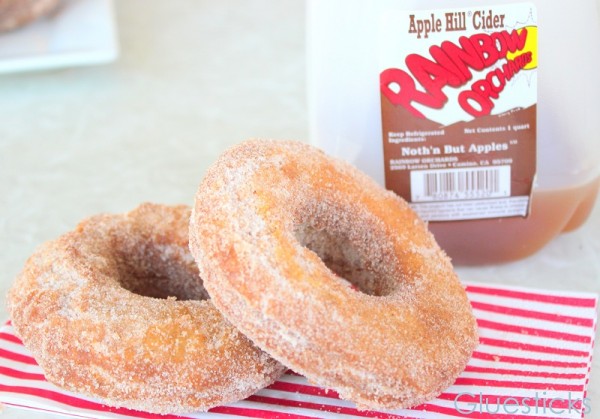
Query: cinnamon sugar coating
x: 330, y: 274
x: 115, y: 310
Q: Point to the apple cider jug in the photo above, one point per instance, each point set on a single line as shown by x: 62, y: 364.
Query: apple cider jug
x: 485, y: 117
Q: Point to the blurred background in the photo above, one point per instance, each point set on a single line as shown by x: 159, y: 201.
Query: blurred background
x: 191, y: 79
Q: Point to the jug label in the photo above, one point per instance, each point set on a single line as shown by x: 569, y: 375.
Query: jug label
x: 458, y: 106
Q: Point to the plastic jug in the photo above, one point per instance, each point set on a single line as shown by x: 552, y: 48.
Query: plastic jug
x: 345, y: 64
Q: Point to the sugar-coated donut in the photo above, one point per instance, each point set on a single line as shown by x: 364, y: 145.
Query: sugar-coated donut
x: 17, y: 13
x: 280, y: 231
x: 116, y: 310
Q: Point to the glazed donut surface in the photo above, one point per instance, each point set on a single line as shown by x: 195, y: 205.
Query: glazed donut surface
x: 115, y: 310
x: 330, y: 274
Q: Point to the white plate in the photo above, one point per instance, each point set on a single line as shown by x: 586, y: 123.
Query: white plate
x: 80, y: 32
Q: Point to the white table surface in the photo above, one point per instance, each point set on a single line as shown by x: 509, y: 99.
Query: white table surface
x: 194, y: 77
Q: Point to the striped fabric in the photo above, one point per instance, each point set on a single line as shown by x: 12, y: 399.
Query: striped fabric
x: 533, y: 361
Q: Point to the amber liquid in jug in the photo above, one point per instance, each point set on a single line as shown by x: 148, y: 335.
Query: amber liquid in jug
x: 352, y: 43
x: 555, y: 211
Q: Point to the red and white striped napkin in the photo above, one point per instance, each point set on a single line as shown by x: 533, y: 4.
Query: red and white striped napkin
x: 533, y: 361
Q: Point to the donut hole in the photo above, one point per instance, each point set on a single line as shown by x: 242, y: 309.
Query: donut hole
x: 156, y: 271
x: 350, y: 257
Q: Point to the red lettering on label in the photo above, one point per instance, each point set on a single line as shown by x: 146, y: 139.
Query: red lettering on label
x: 451, y: 66
x: 483, y: 91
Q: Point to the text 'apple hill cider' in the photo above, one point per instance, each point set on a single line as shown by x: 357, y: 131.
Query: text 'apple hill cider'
x: 483, y: 117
